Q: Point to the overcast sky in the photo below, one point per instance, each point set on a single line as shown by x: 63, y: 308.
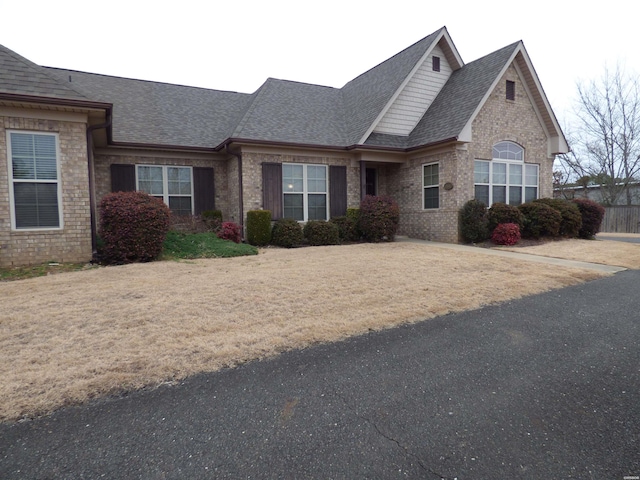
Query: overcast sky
x: 236, y: 45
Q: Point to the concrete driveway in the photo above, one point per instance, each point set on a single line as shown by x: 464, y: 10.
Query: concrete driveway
x: 539, y: 388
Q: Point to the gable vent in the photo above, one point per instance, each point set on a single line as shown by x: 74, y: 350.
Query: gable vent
x: 436, y: 63
x: 511, y: 90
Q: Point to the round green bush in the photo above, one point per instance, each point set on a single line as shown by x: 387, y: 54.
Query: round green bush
x: 347, y: 228
x: 474, y: 222
x: 133, y: 226
x: 379, y: 218
x: 506, y: 234
x: 571, y: 218
x: 503, y: 213
x: 258, y: 227
x: 318, y: 232
x: 592, y: 216
x: 286, y: 233
x: 540, y: 220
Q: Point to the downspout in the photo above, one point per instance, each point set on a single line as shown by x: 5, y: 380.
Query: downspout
x: 240, y: 200
x: 92, y: 193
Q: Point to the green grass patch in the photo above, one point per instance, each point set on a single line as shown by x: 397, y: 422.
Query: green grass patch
x: 202, y: 245
x: 49, y: 268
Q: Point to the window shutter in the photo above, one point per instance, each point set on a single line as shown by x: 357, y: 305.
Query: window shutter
x: 123, y: 178
x: 203, y: 189
x: 272, y: 189
x: 337, y: 191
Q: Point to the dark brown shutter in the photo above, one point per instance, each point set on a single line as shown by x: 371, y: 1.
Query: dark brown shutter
x: 337, y: 191
x: 204, y: 197
x: 123, y: 178
x: 511, y: 90
x: 272, y: 189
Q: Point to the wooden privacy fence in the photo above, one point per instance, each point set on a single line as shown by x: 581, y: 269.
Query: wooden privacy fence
x: 621, y: 219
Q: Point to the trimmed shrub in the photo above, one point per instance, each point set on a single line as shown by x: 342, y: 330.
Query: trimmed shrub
x: 506, y: 234
x: 212, y: 219
x: 287, y: 233
x: 592, y: 215
x: 318, y: 232
x: 379, y: 218
x: 347, y: 228
x: 503, y: 213
x: 230, y: 231
x: 258, y: 227
x: 571, y: 218
x: 133, y: 226
x: 474, y: 222
x: 540, y: 220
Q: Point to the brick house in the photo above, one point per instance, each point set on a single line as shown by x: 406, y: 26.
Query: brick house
x: 422, y: 126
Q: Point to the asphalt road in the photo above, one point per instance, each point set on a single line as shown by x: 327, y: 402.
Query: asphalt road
x: 546, y: 387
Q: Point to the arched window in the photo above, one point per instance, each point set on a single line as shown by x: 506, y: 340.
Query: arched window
x: 506, y: 178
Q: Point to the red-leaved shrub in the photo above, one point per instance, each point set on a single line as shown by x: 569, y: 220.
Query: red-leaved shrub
x: 506, y: 234
x: 592, y: 215
x: 379, y: 218
x: 133, y: 226
x: 230, y: 231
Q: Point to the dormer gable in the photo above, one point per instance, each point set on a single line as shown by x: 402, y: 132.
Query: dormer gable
x: 418, y: 90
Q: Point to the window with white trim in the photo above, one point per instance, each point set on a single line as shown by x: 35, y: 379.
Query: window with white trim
x: 431, y: 186
x: 506, y: 178
x: 305, y: 192
x: 34, y: 176
x: 173, y: 185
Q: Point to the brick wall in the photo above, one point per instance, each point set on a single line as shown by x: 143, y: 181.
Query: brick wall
x: 72, y: 243
x: 103, y: 163
x: 252, y: 175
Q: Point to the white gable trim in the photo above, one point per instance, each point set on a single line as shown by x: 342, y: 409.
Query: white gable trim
x: 443, y: 34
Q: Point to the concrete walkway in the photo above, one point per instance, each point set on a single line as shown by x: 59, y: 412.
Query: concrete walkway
x: 519, y: 256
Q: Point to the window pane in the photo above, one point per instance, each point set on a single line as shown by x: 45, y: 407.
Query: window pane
x: 508, y: 151
x: 24, y: 168
x: 431, y: 197
x: 150, y: 180
x: 33, y: 156
x: 317, y: 207
x: 36, y: 205
x: 481, y: 172
x: 515, y: 195
x: 515, y: 174
x: 292, y: 178
x: 180, y: 205
x: 500, y: 194
x: 499, y: 173
x: 431, y: 176
x: 179, y: 181
x: 530, y: 193
x: 531, y: 175
x: 482, y: 194
x: 293, y: 207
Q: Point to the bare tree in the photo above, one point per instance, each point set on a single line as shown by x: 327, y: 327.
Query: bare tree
x: 605, y: 143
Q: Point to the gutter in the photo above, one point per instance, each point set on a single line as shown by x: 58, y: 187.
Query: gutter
x: 92, y: 193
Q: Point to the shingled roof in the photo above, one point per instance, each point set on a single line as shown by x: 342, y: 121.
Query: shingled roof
x: 21, y: 77
x: 280, y: 111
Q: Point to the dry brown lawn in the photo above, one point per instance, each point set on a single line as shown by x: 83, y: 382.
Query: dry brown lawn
x: 70, y: 337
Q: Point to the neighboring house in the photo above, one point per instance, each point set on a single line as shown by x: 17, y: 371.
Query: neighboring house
x: 595, y: 193
x: 422, y: 126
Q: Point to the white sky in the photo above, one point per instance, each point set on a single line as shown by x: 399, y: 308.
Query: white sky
x: 236, y: 45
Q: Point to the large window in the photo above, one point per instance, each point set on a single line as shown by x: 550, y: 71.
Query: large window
x: 304, y: 191
x: 34, y: 178
x: 173, y: 185
x: 506, y: 178
x: 430, y: 185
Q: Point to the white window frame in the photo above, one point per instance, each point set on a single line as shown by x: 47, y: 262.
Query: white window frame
x: 13, y: 181
x: 305, y: 189
x: 431, y: 186
x: 508, y: 184
x: 165, y: 184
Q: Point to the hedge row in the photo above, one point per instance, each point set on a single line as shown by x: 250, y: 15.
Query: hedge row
x: 545, y: 217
